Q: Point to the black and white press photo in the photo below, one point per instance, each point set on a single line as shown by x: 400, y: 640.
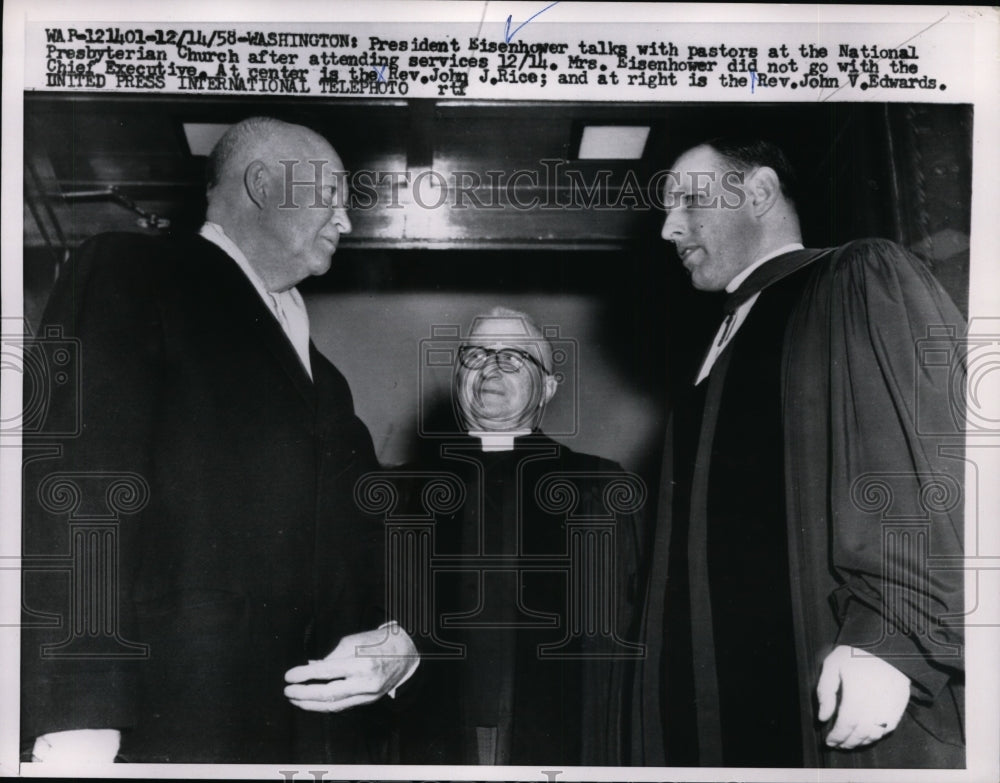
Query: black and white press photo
x: 568, y: 391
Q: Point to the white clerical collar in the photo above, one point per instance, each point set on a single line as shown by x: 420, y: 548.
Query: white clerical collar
x: 735, y: 282
x: 498, y: 441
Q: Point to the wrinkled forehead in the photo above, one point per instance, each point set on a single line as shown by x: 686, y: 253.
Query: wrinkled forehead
x: 498, y: 332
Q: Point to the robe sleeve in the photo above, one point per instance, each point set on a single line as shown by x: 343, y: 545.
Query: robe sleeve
x: 607, y: 669
x: 895, y: 472
x: 105, y: 307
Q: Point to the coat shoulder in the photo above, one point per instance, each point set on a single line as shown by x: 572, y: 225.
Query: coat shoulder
x: 872, y: 256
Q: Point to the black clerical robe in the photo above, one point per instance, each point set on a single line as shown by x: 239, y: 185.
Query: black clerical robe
x: 811, y: 497
x: 534, y: 593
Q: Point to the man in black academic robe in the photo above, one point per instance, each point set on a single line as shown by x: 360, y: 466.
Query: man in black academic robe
x: 195, y: 542
x: 810, y: 517
x: 534, y: 577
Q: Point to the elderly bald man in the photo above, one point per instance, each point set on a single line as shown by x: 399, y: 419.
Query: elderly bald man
x: 246, y: 585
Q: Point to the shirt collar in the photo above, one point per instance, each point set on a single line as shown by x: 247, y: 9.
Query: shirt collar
x: 735, y: 282
x: 498, y: 440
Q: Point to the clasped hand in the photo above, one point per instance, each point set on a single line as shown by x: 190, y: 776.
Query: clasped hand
x: 873, y: 697
x: 361, y: 669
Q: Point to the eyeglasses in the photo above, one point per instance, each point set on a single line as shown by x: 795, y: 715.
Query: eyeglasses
x: 509, y: 360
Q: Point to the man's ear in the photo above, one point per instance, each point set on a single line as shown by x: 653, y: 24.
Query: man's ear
x: 255, y: 180
x: 551, y: 384
x: 764, y: 189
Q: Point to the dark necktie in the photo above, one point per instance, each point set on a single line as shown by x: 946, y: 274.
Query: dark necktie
x: 727, y: 327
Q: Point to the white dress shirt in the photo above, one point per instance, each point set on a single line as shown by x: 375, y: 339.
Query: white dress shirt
x: 732, y: 324
x: 286, y: 306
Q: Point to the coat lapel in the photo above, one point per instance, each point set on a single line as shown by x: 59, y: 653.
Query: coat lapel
x: 241, y: 300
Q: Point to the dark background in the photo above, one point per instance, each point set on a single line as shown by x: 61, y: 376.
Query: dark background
x: 602, y: 277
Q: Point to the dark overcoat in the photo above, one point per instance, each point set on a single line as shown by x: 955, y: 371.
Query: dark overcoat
x: 236, y: 550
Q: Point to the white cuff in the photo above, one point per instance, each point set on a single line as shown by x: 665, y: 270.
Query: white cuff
x: 80, y: 746
x: 415, y: 661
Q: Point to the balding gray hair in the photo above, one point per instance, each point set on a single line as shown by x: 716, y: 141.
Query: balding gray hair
x: 240, y: 137
x: 529, y: 329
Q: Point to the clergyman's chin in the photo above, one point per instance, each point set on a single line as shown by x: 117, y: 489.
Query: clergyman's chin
x: 498, y: 422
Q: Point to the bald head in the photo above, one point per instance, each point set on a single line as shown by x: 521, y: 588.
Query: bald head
x: 279, y: 192
x: 265, y: 139
x: 237, y: 146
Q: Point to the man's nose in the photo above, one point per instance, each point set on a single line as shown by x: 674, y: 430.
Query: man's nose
x: 492, y: 368
x: 341, y: 221
x: 673, y: 226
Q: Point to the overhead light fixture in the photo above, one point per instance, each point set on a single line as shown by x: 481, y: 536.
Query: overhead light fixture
x: 613, y: 142
x: 201, y: 136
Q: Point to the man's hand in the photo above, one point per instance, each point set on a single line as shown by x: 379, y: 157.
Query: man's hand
x: 80, y: 746
x: 873, y: 696
x: 363, y: 668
